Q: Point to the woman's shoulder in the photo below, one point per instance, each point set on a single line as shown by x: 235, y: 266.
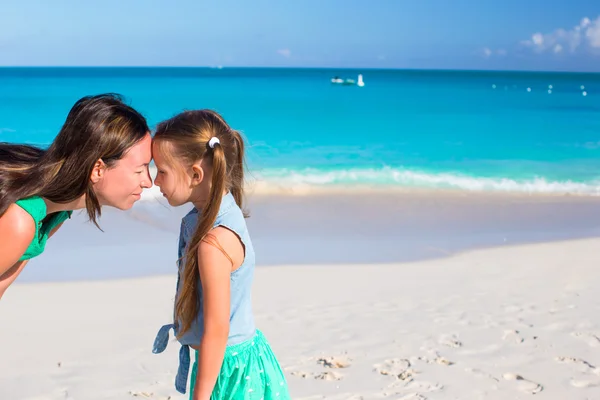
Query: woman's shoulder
x: 17, y: 223
x: 35, y: 206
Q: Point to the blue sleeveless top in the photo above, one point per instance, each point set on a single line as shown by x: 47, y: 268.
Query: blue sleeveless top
x: 241, y: 318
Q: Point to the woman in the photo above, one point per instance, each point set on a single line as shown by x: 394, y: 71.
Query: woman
x: 99, y: 158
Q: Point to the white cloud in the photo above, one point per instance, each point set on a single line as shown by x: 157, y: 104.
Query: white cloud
x: 486, y: 52
x: 583, y: 37
x: 287, y: 53
x: 593, y: 34
x: 538, y: 39
x: 585, y: 22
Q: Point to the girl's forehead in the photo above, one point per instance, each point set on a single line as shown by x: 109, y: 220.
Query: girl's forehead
x: 162, y: 151
x: 162, y: 146
x: 164, y: 154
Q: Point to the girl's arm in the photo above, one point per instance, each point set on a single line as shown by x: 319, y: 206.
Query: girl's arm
x: 215, y: 271
x: 18, y: 225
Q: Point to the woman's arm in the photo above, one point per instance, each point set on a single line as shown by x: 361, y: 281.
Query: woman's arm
x: 9, y: 276
x: 16, y: 233
x: 17, y: 229
x: 215, y: 271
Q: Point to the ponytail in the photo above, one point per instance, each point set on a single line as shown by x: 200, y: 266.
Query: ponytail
x: 188, y: 303
x: 237, y: 172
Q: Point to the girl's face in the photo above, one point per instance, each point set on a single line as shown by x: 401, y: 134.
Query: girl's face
x: 174, y: 179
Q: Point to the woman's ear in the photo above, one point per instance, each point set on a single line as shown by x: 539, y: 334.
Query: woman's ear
x: 98, y: 171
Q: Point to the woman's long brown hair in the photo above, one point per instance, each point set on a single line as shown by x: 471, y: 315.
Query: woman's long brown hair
x: 100, y: 127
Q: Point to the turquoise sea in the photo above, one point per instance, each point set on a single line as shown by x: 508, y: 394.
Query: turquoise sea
x: 469, y: 130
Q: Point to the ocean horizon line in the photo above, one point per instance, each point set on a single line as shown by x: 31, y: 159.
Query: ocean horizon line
x: 458, y: 71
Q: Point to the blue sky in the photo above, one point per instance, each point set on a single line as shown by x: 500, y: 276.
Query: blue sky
x: 447, y: 34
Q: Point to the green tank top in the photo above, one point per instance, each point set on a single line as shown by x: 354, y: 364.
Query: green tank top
x: 36, y: 207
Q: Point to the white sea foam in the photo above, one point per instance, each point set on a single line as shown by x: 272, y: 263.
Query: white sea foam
x: 286, y: 180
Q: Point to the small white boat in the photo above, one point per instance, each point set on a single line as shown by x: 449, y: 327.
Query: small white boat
x: 336, y: 80
x: 360, y: 83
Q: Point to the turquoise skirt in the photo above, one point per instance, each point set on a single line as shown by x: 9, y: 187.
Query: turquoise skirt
x: 250, y: 371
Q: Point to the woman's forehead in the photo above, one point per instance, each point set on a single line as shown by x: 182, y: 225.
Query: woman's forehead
x: 140, y: 153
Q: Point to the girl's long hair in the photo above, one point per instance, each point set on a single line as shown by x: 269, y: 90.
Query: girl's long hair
x: 189, y: 134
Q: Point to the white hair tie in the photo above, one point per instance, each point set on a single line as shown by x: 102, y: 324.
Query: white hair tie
x: 213, y: 140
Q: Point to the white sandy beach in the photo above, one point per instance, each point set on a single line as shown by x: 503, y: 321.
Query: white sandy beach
x: 503, y: 323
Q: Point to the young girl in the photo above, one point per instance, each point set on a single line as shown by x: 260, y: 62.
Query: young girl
x: 200, y: 160
x: 100, y: 157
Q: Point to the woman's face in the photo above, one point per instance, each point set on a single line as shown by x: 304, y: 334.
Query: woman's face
x: 121, y: 185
